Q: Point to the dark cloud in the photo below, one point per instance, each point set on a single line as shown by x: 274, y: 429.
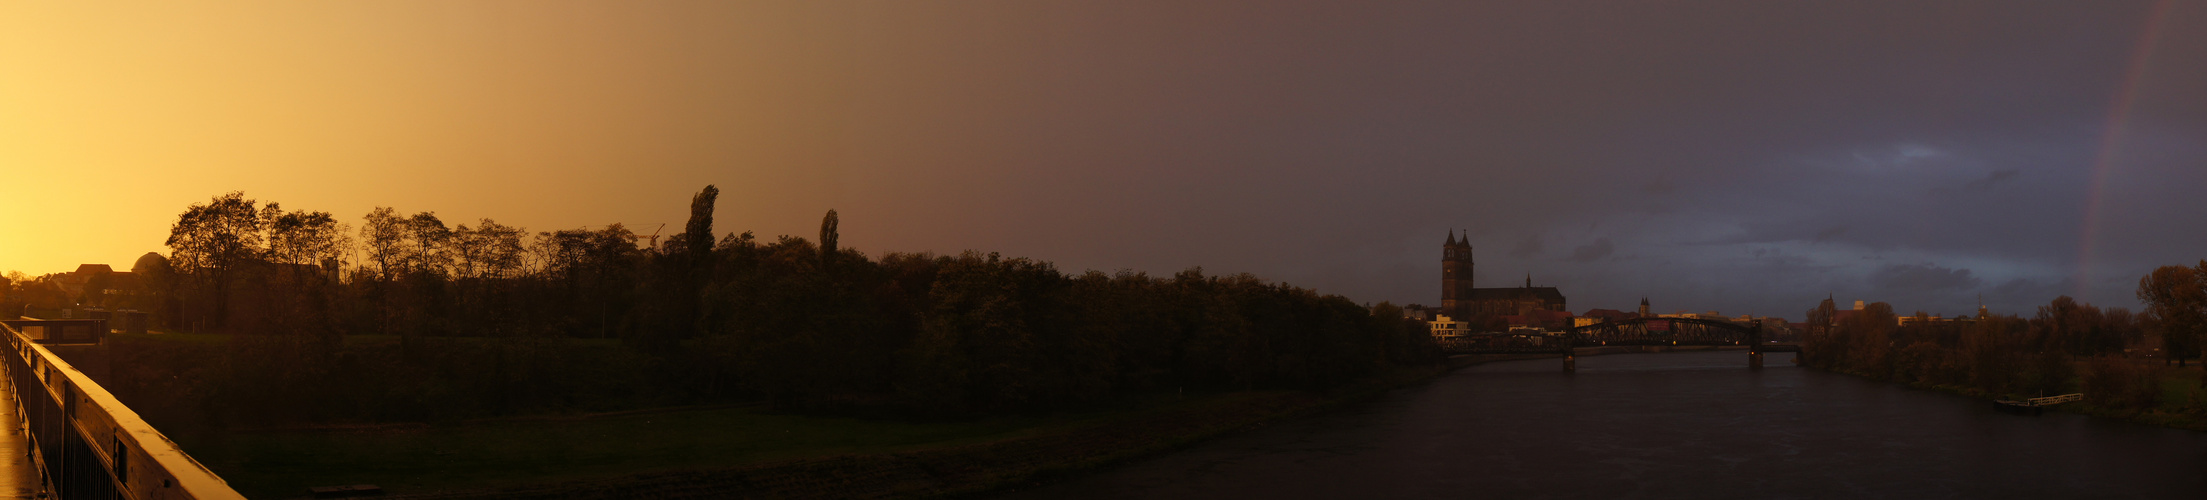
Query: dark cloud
x: 1811, y: 129
x: 1830, y: 233
x: 1528, y: 247
x: 1333, y: 145
x: 1592, y: 251
x: 1751, y: 156
x: 1997, y: 177
x: 2021, y: 296
x: 1922, y: 278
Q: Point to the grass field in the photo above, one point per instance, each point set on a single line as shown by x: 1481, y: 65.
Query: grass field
x: 490, y: 454
x: 669, y: 452
x: 2179, y: 386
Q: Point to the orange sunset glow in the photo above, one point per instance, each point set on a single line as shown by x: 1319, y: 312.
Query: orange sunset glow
x: 1062, y: 249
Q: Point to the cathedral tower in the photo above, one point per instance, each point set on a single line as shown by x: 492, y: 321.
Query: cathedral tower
x: 1456, y: 268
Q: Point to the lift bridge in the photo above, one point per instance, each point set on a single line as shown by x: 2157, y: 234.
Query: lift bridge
x: 1647, y: 332
x: 75, y: 440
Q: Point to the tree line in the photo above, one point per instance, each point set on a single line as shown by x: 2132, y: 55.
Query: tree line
x: 2115, y: 357
x: 411, y: 318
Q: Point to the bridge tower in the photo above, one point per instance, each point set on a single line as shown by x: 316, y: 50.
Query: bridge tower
x: 1456, y: 269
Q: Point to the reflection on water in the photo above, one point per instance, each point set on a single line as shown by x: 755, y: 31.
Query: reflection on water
x: 1678, y: 425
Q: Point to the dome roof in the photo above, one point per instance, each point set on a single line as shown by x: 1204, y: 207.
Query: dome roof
x: 149, y: 260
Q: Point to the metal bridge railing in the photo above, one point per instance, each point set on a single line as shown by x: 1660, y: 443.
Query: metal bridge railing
x: 85, y: 443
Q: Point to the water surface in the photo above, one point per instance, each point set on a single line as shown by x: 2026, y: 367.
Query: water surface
x: 1675, y: 425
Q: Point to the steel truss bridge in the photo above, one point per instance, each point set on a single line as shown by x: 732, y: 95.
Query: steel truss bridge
x: 1651, y: 332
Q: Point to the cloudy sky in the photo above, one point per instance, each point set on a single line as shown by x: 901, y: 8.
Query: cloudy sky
x: 1745, y: 157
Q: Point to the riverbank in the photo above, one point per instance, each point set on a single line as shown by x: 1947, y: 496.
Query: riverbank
x: 718, y: 452
x: 1464, y: 360
x: 2178, y: 387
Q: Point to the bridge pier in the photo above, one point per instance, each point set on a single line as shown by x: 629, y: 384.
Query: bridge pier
x: 1755, y: 345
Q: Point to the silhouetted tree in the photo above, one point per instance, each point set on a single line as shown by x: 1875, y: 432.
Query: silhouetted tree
x: 1819, y: 346
x: 210, y: 243
x: 697, y: 234
x: 428, y: 242
x: 807, y: 325
x: 160, y: 282
x: 308, y: 243
x: 485, y: 259
x: 827, y: 236
x: 303, y: 249
x: 2077, y: 329
x: 1993, y: 348
x: 693, y: 269
x: 2177, y: 298
x: 488, y: 251
x: 383, y: 233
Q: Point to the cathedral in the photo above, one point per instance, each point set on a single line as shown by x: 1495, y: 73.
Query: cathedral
x: 1460, y: 299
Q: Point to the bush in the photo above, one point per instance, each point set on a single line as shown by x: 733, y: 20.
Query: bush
x: 2048, y: 373
x: 2112, y: 382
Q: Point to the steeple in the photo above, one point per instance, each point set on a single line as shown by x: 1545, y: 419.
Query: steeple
x: 1456, y: 264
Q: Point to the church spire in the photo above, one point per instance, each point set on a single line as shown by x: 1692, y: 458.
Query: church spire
x: 1451, y: 237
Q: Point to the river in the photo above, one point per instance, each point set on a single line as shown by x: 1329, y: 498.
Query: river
x: 1672, y: 425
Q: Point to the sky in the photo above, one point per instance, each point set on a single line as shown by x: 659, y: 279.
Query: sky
x: 1742, y: 157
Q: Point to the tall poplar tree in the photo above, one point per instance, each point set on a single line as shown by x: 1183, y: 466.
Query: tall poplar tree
x: 827, y: 236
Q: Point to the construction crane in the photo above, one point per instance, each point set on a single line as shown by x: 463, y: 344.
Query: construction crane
x: 654, y: 235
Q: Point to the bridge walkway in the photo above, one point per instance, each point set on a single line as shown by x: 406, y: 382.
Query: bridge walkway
x: 18, y: 476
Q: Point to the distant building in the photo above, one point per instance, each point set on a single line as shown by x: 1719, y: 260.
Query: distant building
x: 91, y: 284
x: 1936, y: 319
x: 1540, y: 320
x: 1445, y: 327
x: 1593, y: 316
x: 1460, y: 299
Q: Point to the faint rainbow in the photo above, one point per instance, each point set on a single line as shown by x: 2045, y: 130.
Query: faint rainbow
x: 2111, y: 135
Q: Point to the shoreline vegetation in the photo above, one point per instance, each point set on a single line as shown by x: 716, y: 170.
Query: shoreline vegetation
x: 805, y: 364
x: 266, y: 318
x: 2174, y: 383
x: 2121, y: 362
